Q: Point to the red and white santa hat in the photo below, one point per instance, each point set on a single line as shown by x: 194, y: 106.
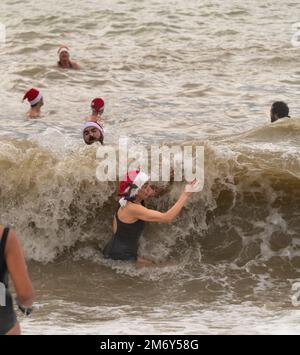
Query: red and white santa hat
x: 93, y: 124
x: 63, y: 49
x: 33, y: 96
x: 98, y: 105
x: 130, y: 185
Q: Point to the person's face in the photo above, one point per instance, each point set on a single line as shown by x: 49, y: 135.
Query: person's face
x: 64, y: 57
x: 145, y: 192
x: 98, y: 113
x: 91, y: 135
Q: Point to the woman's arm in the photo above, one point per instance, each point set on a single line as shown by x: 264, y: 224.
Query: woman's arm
x: 18, y: 271
x: 147, y: 215
x: 143, y: 213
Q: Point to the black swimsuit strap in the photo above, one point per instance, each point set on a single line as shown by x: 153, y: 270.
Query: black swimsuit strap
x: 117, y: 217
x: 116, y: 214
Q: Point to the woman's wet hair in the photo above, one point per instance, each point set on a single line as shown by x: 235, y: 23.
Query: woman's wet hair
x: 127, y: 194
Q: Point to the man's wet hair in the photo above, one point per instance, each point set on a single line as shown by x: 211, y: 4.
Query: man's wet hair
x: 280, y: 109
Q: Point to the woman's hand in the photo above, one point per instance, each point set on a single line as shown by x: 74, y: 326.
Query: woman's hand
x: 192, y: 187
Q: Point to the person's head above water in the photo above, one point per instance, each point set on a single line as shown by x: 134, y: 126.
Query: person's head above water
x: 279, y: 109
x: 134, y: 185
x: 93, y: 132
x: 63, y: 55
x: 34, y: 97
x: 97, y: 106
x: 64, y: 58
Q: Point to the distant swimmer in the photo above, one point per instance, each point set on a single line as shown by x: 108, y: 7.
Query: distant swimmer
x: 279, y: 109
x: 129, y: 220
x: 64, y: 59
x: 36, y: 101
x: 93, y: 129
x: 97, y: 106
x: 12, y: 263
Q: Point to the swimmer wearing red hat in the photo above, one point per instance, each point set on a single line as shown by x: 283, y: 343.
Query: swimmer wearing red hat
x: 64, y: 59
x: 131, y: 215
x: 36, y: 101
x: 93, y: 130
x: 97, y: 106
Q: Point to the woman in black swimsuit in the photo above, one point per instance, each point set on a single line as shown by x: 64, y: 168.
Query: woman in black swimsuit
x: 12, y: 262
x: 130, y: 218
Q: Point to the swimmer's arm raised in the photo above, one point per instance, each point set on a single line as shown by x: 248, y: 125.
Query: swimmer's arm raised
x: 147, y: 215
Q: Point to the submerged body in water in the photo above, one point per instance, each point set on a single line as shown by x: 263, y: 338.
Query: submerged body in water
x: 134, y: 189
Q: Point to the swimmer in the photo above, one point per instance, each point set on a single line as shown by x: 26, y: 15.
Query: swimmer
x: 12, y: 263
x: 97, y: 106
x: 129, y: 220
x: 93, y: 130
x: 36, y: 101
x: 279, y: 109
x: 64, y: 59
